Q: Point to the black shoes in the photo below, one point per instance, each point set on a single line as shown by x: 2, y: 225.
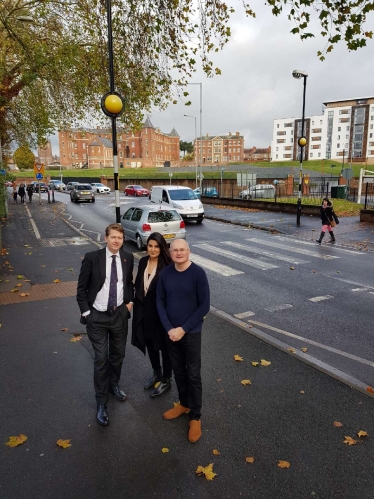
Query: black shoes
x: 164, y: 386
x: 153, y: 380
x: 118, y: 393
x: 102, y: 415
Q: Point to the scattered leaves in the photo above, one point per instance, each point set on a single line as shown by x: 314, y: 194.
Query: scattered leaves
x: 292, y: 350
x: 370, y: 389
x: 292, y: 268
x: 250, y: 459
x: 245, y: 382
x: 65, y: 329
x: 42, y: 266
x: 24, y: 294
x: 19, y: 285
x: 302, y: 392
x: 304, y: 349
x: 255, y: 363
x: 76, y: 338
x: 14, y: 290
x: 218, y: 379
x: 284, y: 464
x: 362, y: 433
x: 70, y: 269
x: 238, y: 358
x: 338, y: 424
x: 216, y: 452
x: 64, y: 443
x: 164, y: 450
x: 207, y: 471
x: 156, y: 385
x: 20, y: 277
x: 15, y: 441
x: 56, y: 281
x: 350, y: 441
x: 265, y: 362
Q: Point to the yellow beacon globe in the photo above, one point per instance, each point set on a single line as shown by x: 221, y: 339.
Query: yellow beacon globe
x: 302, y: 141
x: 113, y: 104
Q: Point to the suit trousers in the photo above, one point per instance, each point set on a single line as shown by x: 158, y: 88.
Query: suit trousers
x: 108, y: 336
x: 185, y: 356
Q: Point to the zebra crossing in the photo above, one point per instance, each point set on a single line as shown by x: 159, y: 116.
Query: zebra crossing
x: 261, y: 257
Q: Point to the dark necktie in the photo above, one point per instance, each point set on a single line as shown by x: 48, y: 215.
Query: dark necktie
x: 112, y: 301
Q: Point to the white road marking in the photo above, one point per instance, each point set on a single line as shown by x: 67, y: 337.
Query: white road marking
x: 93, y: 232
x: 268, y: 254
x: 36, y: 231
x: 299, y: 241
x: 320, y: 298
x: 221, y: 269
x: 315, y: 343
x: 243, y: 315
x: 237, y: 257
x: 279, y: 307
x: 274, y: 244
x: 360, y: 289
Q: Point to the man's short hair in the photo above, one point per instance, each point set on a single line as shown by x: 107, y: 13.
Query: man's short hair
x: 117, y: 227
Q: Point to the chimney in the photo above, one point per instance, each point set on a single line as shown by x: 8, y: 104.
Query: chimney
x: 237, y: 134
x: 207, y: 135
x: 229, y: 134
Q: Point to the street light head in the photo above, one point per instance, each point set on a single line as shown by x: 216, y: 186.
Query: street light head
x: 299, y: 73
x: 25, y: 19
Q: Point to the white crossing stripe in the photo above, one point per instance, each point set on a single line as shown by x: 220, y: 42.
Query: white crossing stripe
x: 223, y: 270
x: 360, y: 289
x: 309, y: 243
x: 237, y: 257
x: 321, y: 298
x: 274, y: 244
x: 279, y: 307
x: 243, y: 315
x: 268, y: 254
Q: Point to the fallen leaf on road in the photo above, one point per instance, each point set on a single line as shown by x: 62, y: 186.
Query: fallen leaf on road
x: 7, y: 263
x: 20, y: 277
x: 238, y: 358
x: 69, y: 269
x: 255, y: 363
x: 219, y: 379
x: 302, y: 392
x: 15, y: 441
x: 65, y: 329
x: 24, y: 294
x: 26, y: 280
x: 250, y: 459
x: 292, y: 350
x: 42, y: 266
x: 156, y: 385
x: 19, y: 285
x: 75, y: 339
x: 292, y: 268
x: 304, y: 350
x: 216, y: 452
x: 14, y: 290
x: 350, y: 441
x: 362, y: 433
x: 338, y: 424
x: 56, y: 281
x: 164, y: 450
x: 284, y: 464
x: 370, y: 389
x: 245, y: 382
x: 207, y: 471
x: 64, y: 443
x: 265, y: 362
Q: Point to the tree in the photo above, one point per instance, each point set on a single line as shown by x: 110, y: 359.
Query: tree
x: 53, y: 70
x: 24, y: 158
x: 186, y: 147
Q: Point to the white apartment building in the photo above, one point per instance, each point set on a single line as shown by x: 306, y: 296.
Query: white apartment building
x: 346, y: 128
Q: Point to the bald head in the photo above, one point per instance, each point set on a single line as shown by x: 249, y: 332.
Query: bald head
x: 180, y: 253
x: 179, y: 243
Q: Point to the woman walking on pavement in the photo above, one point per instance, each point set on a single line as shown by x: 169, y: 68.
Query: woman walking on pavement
x: 329, y: 220
x: 30, y: 192
x: 22, y: 192
x: 147, y: 330
x: 15, y: 193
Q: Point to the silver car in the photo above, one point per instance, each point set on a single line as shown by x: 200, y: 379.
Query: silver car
x: 82, y: 192
x: 101, y: 188
x: 58, y: 185
x: 258, y: 191
x: 140, y: 221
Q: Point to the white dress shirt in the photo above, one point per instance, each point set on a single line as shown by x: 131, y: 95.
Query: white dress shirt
x: 102, y: 297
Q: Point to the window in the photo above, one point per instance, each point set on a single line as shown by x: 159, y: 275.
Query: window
x: 316, y: 130
x: 319, y: 154
x: 281, y: 141
x: 312, y: 123
x: 132, y: 144
x: 288, y: 124
x: 281, y: 133
x: 276, y: 156
x: 338, y: 137
x: 339, y: 128
x: 287, y: 148
x: 371, y: 136
x: 320, y: 122
x: 287, y: 156
x: 137, y: 215
x: 344, y: 111
x: 338, y: 146
x: 84, y: 145
x: 311, y: 155
x: 318, y: 138
x: 343, y: 120
x: 278, y: 125
x: 63, y: 144
x: 276, y: 148
x: 316, y: 146
x: 348, y: 128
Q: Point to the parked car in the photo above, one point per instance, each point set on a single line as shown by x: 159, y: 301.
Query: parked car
x: 101, y: 188
x: 39, y: 185
x: 258, y: 191
x: 140, y: 221
x: 210, y: 192
x: 136, y: 190
x: 70, y: 185
x: 8, y: 184
x: 82, y: 192
x: 59, y: 186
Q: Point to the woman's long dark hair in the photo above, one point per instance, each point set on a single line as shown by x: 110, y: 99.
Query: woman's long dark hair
x: 164, y: 258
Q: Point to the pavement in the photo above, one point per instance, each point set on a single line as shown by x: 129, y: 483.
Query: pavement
x: 290, y: 412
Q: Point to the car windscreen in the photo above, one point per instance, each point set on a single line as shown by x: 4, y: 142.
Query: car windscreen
x: 138, y: 187
x: 163, y: 216
x: 83, y: 187
x: 182, y: 195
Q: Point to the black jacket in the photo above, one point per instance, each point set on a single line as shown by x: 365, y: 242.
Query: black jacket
x: 92, y: 277
x: 146, y: 321
x: 328, y: 214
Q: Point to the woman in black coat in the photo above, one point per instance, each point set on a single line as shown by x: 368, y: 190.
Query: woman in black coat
x: 147, y: 330
x: 327, y: 216
x: 22, y: 192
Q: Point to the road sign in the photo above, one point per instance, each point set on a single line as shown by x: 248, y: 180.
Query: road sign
x: 2, y: 172
x: 39, y: 176
x: 39, y: 170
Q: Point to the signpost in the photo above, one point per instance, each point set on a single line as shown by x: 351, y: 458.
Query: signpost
x: 170, y: 175
x: 39, y: 175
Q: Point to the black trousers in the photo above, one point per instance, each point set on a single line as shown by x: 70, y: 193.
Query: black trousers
x: 108, y: 335
x: 185, y: 356
x: 154, y: 357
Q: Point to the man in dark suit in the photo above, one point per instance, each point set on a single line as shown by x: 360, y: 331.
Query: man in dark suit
x: 105, y: 296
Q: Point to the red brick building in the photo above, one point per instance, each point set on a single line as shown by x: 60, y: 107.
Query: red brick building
x: 255, y: 154
x: 220, y: 148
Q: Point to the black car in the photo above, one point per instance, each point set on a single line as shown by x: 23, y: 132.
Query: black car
x: 42, y: 185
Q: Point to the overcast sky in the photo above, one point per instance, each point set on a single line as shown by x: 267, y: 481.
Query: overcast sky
x: 256, y: 85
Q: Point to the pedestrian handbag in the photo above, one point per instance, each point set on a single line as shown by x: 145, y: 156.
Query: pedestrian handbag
x: 332, y: 223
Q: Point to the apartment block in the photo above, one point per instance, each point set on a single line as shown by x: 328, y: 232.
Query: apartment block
x: 345, y: 129
x: 219, y: 148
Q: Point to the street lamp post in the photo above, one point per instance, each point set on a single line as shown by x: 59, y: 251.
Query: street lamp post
x: 195, y: 147
x: 201, y: 127
x: 222, y: 170
x: 301, y: 141
x: 343, y: 161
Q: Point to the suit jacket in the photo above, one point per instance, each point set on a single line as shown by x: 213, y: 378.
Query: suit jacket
x: 146, y: 322
x: 92, y: 277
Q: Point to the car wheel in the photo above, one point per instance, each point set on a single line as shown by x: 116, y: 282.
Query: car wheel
x: 92, y: 200
x: 139, y: 242
x: 71, y: 199
x: 125, y: 193
x: 247, y: 197
x: 199, y: 221
x: 76, y: 200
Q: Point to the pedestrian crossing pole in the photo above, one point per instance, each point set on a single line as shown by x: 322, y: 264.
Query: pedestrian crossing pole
x: 301, y: 142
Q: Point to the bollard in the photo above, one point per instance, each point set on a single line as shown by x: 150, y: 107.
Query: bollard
x: 53, y: 195
x: 49, y: 198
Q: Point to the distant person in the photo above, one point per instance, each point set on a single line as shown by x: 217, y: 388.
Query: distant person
x: 328, y: 217
x: 22, y: 193
x: 30, y: 192
x: 183, y: 301
x: 105, y: 295
x: 15, y: 193
x: 148, y: 332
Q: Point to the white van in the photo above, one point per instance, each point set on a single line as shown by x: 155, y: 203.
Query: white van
x: 182, y: 199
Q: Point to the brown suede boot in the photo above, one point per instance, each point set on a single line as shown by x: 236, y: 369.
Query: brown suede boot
x: 176, y: 411
x: 194, y: 432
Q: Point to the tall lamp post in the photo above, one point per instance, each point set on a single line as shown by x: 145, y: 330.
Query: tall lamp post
x: 112, y: 104
x: 297, y: 73
x: 195, y: 147
x: 201, y: 127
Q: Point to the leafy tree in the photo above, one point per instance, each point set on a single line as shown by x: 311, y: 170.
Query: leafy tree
x: 186, y: 147
x: 24, y: 158
x: 53, y: 70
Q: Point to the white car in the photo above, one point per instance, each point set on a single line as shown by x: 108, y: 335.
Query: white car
x: 58, y: 185
x: 101, y: 188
